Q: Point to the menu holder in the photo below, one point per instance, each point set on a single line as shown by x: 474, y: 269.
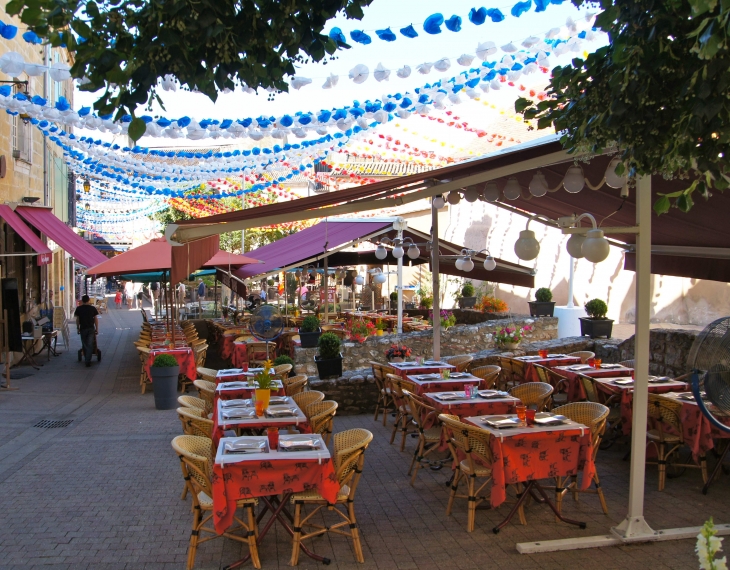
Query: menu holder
x: 548, y: 419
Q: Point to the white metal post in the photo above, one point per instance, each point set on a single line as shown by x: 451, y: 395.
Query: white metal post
x: 435, y: 271
x: 570, y: 282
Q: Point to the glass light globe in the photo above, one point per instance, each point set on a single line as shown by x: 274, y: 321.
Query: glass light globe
x: 397, y: 252
x: 359, y: 280
x: 471, y: 194
x: 454, y: 198
x: 459, y: 263
x: 489, y: 263
x: 574, y: 179
x: 527, y: 246
x: 413, y: 251
x: 538, y: 185
x: 512, y: 189
x: 468, y: 265
x: 612, y: 179
x: 438, y: 202
x: 381, y: 252
x: 575, y: 245
x: 491, y: 192
x: 380, y: 278
x: 595, y: 246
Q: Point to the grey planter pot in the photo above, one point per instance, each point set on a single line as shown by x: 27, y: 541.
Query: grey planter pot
x: 164, y: 384
x: 310, y: 339
x: 330, y: 367
x: 467, y: 302
x: 541, y: 308
x: 595, y: 327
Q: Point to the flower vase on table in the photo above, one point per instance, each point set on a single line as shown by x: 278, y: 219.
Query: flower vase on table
x: 264, y: 381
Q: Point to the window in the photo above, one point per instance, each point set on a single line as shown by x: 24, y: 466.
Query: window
x: 22, y: 132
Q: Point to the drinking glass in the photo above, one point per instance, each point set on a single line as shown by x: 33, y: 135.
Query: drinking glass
x: 259, y: 408
x: 542, y: 353
x: 597, y: 363
x: 530, y: 416
x: 521, y: 411
x: 273, y: 435
x: 474, y: 391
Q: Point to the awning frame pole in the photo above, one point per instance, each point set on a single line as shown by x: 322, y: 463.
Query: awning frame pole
x: 436, y: 328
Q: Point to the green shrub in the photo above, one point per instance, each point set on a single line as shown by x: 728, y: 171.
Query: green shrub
x: 543, y: 295
x: 329, y: 346
x: 467, y: 290
x: 596, y: 309
x: 270, y: 282
x: 426, y: 302
x: 164, y: 361
x: 283, y: 359
x: 309, y: 324
x: 394, y: 296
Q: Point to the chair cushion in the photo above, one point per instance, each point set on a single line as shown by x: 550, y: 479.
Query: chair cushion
x: 314, y: 496
x: 654, y: 435
x: 432, y: 434
x: 481, y: 471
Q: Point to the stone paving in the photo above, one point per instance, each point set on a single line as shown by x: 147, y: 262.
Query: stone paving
x: 104, y: 492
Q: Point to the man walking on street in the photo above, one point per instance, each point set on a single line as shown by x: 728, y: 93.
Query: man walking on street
x: 87, y: 325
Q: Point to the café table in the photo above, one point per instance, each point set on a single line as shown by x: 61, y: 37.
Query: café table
x: 435, y: 383
x: 492, y: 403
x: 227, y: 340
x: 233, y: 389
x: 551, y: 361
x: 272, y: 476
x: 572, y: 373
x: 221, y: 423
x: 624, y: 388
x: 239, y: 356
x: 184, y: 357
x: 404, y: 369
x: 231, y: 374
x: 524, y: 455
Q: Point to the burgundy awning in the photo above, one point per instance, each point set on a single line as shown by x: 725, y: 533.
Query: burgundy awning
x: 28, y: 235
x: 190, y: 257
x: 44, y: 220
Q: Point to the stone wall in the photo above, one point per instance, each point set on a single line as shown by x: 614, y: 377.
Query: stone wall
x: 463, y: 316
x: 459, y: 339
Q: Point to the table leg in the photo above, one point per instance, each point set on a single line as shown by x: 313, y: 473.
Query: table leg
x: 716, y: 470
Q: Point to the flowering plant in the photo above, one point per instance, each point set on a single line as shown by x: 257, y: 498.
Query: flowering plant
x: 381, y: 325
x: 708, y: 545
x: 447, y: 318
x: 489, y: 304
x: 397, y: 351
x: 511, y: 334
x: 360, y: 330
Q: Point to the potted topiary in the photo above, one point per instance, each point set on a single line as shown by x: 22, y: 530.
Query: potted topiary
x: 283, y: 359
x: 543, y: 305
x: 394, y: 300
x: 329, y: 359
x: 468, y: 298
x: 309, y: 332
x: 164, y: 373
x: 596, y: 324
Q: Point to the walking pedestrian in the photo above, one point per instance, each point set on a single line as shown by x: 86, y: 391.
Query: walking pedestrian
x: 87, y: 326
x: 155, y: 292
x: 118, y: 299
x: 129, y: 293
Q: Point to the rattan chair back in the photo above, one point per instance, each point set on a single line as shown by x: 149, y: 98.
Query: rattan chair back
x: 296, y: 387
x: 584, y: 355
x: 349, y: 447
x: 321, y: 417
x: 303, y: 399
x: 460, y: 362
x: 628, y: 363
x: 194, y: 422
x: 206, y: 391
x: 589, y: 387
x: 533, y: 394
x: 196, y: 453
x: 466, y: 440
x: 665, y: 412
x: 192, y: 402
x: 282, y: 371
x: 591, y: 414
x: 423, y: 414
x: 488, y: 373
x: 256, y: 349
x: 208, y: 374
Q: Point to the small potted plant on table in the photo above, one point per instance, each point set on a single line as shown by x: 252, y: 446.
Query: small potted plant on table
x: 329, y: 359
x: 468, y: 298
x: 164, y: 373
x: 380, y: 327
x: 264, y: 382
x: 596, y: 324
x: 543, y: 305
x: 309, y: 332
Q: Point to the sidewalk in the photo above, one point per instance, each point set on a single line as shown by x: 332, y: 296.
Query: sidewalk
x: 104, y: 492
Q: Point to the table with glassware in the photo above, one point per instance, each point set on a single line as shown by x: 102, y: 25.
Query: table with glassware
x: 572, y: 374
x: 458, y: 403
x: 546, y: 359
x: 434, y: 382
x: 404, y: 369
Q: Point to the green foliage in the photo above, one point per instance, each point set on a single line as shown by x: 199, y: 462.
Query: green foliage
x: 659, y: 93
x: 543, y: 295
x: 332, y: 308
x: 394, y: 296
x: 468, y: 289
x: 270, y: 282
x: 426, y: 302
x: 164, y: 361
x: 309, y: 324
x: 596, y: 309
x: 283, y: 359
x: 264, y: 378
x: 329, y: 346
x: 124, y: 47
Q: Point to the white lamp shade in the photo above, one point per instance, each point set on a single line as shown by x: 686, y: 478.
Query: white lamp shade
x: 612, y: 179
x: 397, y: 252
x: 527, y: 247
x: 459, y: 263
x: 438, y: 202
x: 491, y: 192
x: 595, y: 247
x: 468, y: 264
x: 575, y: 245
x: 359, y: 280
x: 454, y: 198
x: 381, y: 252
x: 574, y: 179
x: 380, y: 278
x: 512, y: 189
x: 538, y: 185
x: 489, y: 263
x: 413, y: 251
x: 471, y: 194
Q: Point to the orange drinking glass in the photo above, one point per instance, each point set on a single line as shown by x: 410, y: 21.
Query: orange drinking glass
x: 597, y: 363
x: 542, y: 353
x: 273, y: 435
x: 530, y: 416
x: 259, y: 408
x: 521, y: 411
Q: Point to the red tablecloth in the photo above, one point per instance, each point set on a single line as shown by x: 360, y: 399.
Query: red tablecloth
x: 476, y: 407
x: 261, y: 423
x: 698, y: 432
x: 244, y: 393
x: 227, y: 340
x: 443, y: 385
x: 575, y: 386
x: 246, y: 479
x: 520, y: 456
x: 531, y: 373
x: 239, y: 358
x: 412, y: 370
x: 184, y: 357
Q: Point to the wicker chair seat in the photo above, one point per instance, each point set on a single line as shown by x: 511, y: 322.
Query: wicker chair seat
x: 481, y: 471
x: 654, y: 435
x: 314, y: 497
x: 432, y: 434
x: 206, y: 502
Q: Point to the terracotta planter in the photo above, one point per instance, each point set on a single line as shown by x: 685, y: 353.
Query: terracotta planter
x: 510, y: 345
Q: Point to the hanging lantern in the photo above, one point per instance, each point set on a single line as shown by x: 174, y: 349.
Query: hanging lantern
x: 87, y: 207
x: 87, y: 186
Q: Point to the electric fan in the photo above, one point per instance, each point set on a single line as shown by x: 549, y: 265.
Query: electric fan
x: 266, y: 322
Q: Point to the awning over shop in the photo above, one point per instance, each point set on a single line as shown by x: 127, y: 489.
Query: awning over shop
x: 44, y: 220
x: 28, y: 235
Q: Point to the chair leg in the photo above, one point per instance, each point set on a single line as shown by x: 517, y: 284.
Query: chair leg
x: 472, y: 502
x: 454, y: 488
x: 405, y: 432
x: 661, y: 460
x: 193, y: 547
x: 355, y: 533
x: 395, y: 427
x: 599, y: 491
x: 377, y: 408
x: 415, y: 461
x: 252, y: 546
x: 559, y: 492
x: 297, y: 538
x: 703, y: 467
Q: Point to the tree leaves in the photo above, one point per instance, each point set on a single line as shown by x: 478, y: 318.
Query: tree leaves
x: 136, y: 129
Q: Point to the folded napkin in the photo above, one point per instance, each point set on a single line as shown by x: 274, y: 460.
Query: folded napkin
x: 577, y: 367
x: 546, y: 419
x: 233, y: 385
x: 434, y: 362
x: 235, y: 403
x: 490, y: 394
x: 279, y: 400
x: 611, y: 366
x: 660, y: 380
x: 280, y: 412
x: 298, y: 444
x: 245, y: 446
x: 624, y: 382
x: 502, y: 422
x: 239, y: 413
x: 450, y: 396
x: 230, y: 372
x: 428, y: 376
x: 557, y: 355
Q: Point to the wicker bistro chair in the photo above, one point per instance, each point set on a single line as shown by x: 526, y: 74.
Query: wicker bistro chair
x: 206, y: 391
x: 296, y: 385
x: 321, y: 416
x: 404, y: 414
x: 349, y: 459
x: 460, y: 362
x: 628, y: 363
x: 196, y: 458
x: 193, y: 402
x: 488, y: 374
x: 665, y: 413
x: 303, y: 399
x: 558, y: 382
x: 584, y: 355
x: 533, y: 394
x: 282, y: 371
x: 259, y: 352
x: 207, y: 374
x: 385, y: 400
x: 612, y: 402
x: 195, y: 422
x: 513, y: 372
x: 144, y: 381
x: 429, y: 438
x: 594, y: 416
x: 471, y: 444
